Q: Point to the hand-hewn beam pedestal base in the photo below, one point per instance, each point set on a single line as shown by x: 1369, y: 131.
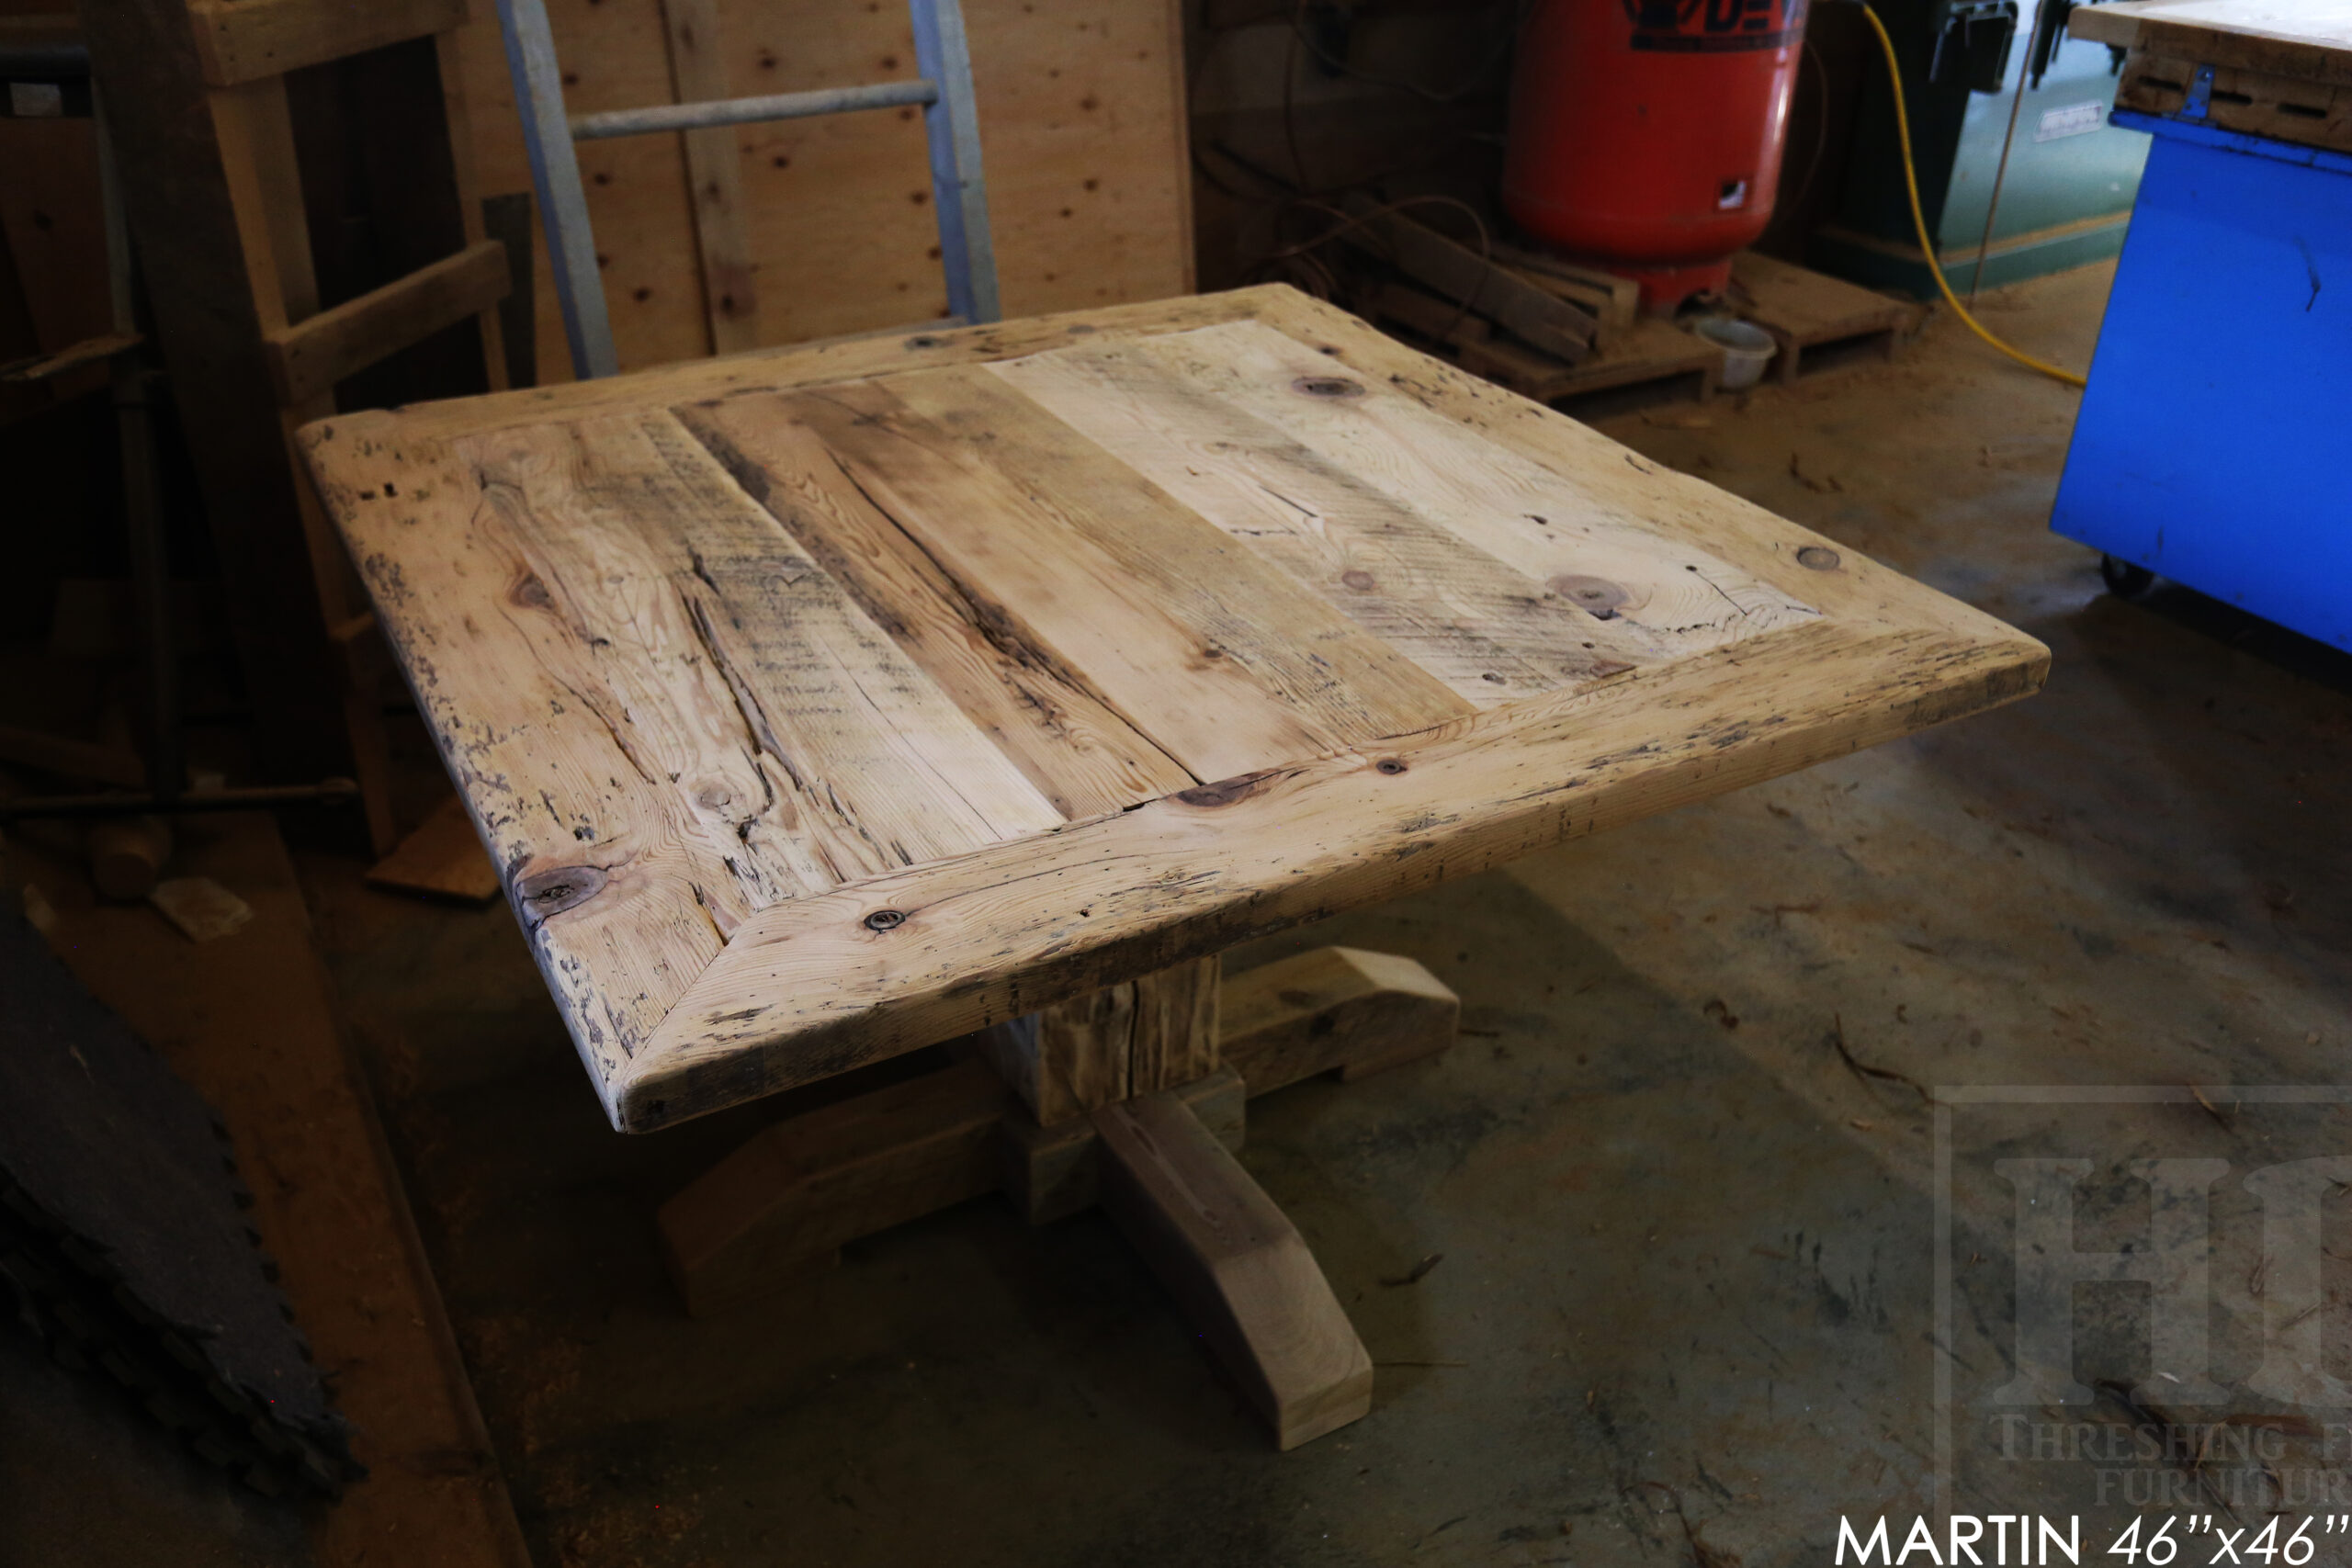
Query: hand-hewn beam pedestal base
x: 1134, y: 1099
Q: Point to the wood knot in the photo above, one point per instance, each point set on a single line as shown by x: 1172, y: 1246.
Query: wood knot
x: 1596, y: 596
x: 1225, y: 792
x: 1392, y: 766
x: 1358, y: 579
x: 1328, y: 387
x: 545, y: 893
x: 529, y: 592
x: 885, y: 920
x: 1820, y: 558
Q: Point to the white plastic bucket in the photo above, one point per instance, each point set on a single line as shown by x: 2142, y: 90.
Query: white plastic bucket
x: 1747, y: 348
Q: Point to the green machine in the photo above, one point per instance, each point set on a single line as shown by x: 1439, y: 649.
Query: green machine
x: 1978, y: 75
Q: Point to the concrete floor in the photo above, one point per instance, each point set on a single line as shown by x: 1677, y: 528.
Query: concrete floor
x: 1684, y: 1310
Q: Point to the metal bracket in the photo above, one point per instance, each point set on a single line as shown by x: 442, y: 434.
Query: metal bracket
x: 2201, y: 96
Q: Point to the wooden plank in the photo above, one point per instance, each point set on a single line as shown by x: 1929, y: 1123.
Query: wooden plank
x: 714, y: 178
x: 1805, y: 311
x: 245, y: 40
x: 457, y: 113
x: 755, y: 736
x: 1809, y: 305
x: 809, y: 748
x: 1210, y: 652
x: 1645, y: 599
x: 1155, y: 1031
x: 1488, y: 632
x: 1680, y: 507
x: 847, y: 359
x: 2307, y: 39
x: 308, y: 358
x: 1080, y: 103
x: 2286, y: 108
x: 1462, y: 274
x: 89, y: 350
x: 1238, y: 1266
x: 1656, y: 354
x: 810, y: 989
x: 495, y: 682
x: 1614, y: 303
x: 1082, y: 755
x: 789, y: 1198
x: 1401, y: 304
x: 1333, y: 1010
x: 1608, y: 317
x: 442, y: 858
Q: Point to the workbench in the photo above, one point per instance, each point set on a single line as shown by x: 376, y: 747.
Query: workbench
x: 2209, y: 447
x: 960, y: 696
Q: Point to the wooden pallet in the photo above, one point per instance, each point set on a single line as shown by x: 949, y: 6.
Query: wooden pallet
x: 1651, y: 360
x: 1820, y: 322
x: 1655, y: 359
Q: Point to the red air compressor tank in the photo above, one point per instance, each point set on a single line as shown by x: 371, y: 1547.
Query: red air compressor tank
x: 1645, y: 134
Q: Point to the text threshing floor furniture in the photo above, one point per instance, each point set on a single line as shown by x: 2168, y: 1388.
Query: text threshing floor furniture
x: 981, y: 686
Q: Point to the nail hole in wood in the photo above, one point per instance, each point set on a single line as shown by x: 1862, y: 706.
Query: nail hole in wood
x: 1389, y: 765
x: 1820, y: 558
x: 886, y: 920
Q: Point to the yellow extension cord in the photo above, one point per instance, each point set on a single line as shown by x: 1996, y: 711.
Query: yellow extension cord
x: 1926, y: 246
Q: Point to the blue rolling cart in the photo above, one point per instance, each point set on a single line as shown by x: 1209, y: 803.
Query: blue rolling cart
x: 2215, y: 445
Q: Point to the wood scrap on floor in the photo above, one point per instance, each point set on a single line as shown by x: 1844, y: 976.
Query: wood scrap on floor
x: 200, y: 908
x: 1475, y: 280
x: 1614, y: 303
x: 442, y: 858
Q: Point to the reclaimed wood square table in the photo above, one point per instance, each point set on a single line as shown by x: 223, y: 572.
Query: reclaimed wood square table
x: 981, y: 686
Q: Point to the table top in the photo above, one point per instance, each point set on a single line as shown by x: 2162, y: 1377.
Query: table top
x: 823, y: 704
x: 2309, y: 39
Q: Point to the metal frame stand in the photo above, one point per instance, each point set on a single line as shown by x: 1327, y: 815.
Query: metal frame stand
x: 551, y: 135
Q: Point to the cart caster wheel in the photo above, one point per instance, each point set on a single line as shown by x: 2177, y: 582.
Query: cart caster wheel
x: 2124, y: 579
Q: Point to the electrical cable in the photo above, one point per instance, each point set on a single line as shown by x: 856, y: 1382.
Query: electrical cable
x: 1919, y: 218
